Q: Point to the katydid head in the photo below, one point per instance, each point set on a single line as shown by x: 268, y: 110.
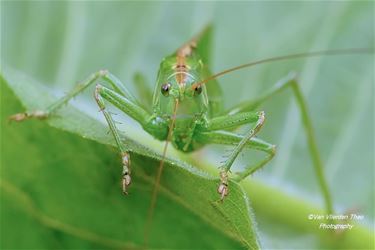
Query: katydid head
x: 178, y: 86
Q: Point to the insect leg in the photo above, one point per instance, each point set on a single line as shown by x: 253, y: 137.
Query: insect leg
x: 232, y: 121
x: 224, y: 122
x: 133, y: 110
x: 291, y: 82
x: 230, y: 138
x: 81, y: 86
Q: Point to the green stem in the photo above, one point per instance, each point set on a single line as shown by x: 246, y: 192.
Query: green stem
x: 284, y: 209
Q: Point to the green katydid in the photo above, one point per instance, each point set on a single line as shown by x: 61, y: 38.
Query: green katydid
x: 187, y: 111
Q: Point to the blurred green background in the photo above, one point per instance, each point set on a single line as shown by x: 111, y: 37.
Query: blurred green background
x: 59, y: 43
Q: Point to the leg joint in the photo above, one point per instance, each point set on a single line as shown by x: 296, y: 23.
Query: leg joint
x: 102, y: 73
x: 125, y: 159
x: 260, y: 122
x: 262, y: 117
x: 99, y: 100
x: 272, y: 151
x: 98, y: 87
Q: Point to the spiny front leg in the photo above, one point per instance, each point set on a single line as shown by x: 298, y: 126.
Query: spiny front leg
x: 229, y: 138
x: 223, y: 186
x: 133, y: 110
x: 126, y: 179
x: 230, y: 121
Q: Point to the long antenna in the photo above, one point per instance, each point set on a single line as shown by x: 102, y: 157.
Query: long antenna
x: 158, y: 176
x: 287, y: 57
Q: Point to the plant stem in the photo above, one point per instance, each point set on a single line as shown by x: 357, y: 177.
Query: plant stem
x: 282, y: 208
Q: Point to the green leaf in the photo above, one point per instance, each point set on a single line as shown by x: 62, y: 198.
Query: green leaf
x: 82, y: 194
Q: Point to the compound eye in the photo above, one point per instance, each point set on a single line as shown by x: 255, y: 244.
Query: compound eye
x: 165, y: 89
x: 198, y: 90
